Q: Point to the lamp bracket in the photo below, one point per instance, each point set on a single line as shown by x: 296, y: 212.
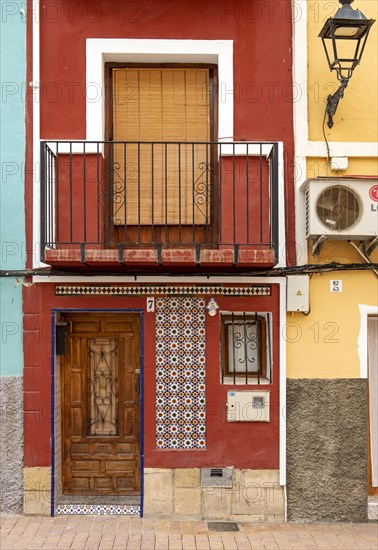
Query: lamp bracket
x: 333, y: 101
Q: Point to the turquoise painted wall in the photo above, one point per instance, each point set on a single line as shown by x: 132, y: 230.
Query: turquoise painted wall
x: 12, y: 158
x: 11, y: 354
x: 12, y: 111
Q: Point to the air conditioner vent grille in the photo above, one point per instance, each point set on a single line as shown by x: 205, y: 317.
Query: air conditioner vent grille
x: 338, y: 208
x: 307, y: 199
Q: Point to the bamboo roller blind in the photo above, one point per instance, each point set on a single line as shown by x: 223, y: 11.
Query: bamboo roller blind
x: 163, y: 184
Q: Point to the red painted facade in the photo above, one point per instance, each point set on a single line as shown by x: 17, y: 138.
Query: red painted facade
x: 261, y: 34
x: 259, y: 444
x: 263, y: 88
x: 262, y: 77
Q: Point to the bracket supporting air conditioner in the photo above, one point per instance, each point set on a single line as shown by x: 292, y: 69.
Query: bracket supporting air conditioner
x: 367, y: 247
x: 318, y: 244
x: 362, y: 254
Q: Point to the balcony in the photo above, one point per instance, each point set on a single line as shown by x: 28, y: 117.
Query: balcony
x: 159, y: 205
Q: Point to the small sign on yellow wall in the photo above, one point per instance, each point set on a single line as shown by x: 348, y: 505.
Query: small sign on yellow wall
x: 336, y: 285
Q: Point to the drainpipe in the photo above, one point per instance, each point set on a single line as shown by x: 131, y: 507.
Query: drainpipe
x: 35, y: 85
x: 282, y: 393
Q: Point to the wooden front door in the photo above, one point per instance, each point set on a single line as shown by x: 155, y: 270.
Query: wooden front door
x: 100, y: 387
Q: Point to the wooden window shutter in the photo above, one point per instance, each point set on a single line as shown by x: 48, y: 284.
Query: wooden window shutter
x: 162, y: 183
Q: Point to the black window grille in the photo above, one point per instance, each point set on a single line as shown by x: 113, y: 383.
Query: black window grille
x: 246, y: 353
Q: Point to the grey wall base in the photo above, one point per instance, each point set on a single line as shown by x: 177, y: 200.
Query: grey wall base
x: 11, y: 444
x: 327, y: 450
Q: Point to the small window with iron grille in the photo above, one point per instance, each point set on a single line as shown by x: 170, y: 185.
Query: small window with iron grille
x: 246, y: 348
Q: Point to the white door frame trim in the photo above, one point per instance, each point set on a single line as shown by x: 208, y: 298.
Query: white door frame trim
x: 365, y: 311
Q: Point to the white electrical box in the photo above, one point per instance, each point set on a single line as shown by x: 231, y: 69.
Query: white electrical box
x: 298, y: 293
x: 248, y: 406
x: 339, y: 163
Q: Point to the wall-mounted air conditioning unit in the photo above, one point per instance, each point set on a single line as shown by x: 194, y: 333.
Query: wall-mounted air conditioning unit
x: 341, y: 208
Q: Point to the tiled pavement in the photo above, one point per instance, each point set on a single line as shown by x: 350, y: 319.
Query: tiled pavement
x: 120, y: 532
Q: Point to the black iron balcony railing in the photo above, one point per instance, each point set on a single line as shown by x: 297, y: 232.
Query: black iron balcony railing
x: 107, y: 195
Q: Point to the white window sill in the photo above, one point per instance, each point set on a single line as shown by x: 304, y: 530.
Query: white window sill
x: 229, y: 380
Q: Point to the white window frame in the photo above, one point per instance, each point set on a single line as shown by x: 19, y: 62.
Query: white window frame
x: 123, y: 50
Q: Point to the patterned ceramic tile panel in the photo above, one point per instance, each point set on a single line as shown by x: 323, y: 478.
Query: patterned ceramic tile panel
x: 180, y: 373
x: 162, y: 290
x: 98, y: 510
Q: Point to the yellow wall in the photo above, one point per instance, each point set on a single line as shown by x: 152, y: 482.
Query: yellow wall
x: 323, y: 344
x: 319, y: 167
x: 353, y: 119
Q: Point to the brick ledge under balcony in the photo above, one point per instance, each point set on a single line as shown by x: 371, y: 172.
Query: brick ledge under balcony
x: 154, y: 257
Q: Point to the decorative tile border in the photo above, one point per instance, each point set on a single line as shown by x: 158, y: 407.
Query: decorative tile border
x: 97, y: 510
x: 180, y: 373
x: 161, y: 290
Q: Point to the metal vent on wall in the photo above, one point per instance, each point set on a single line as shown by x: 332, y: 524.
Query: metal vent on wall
x: 338, y: 208
x: 215, y: 477
x: 307, y: 199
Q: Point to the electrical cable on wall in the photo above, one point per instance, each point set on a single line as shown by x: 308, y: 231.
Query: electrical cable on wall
x: 278, y: 272
x: 325, y: 137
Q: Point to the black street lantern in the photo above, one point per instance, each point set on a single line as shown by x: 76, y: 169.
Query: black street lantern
x: 344, y: 38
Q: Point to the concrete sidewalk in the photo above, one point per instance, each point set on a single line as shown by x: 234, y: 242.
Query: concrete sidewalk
x: 120, y: 532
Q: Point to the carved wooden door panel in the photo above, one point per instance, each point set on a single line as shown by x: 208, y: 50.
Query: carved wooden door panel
x: 100, y: 403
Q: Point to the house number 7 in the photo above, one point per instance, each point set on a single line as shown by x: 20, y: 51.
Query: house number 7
x: 150, y: 305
